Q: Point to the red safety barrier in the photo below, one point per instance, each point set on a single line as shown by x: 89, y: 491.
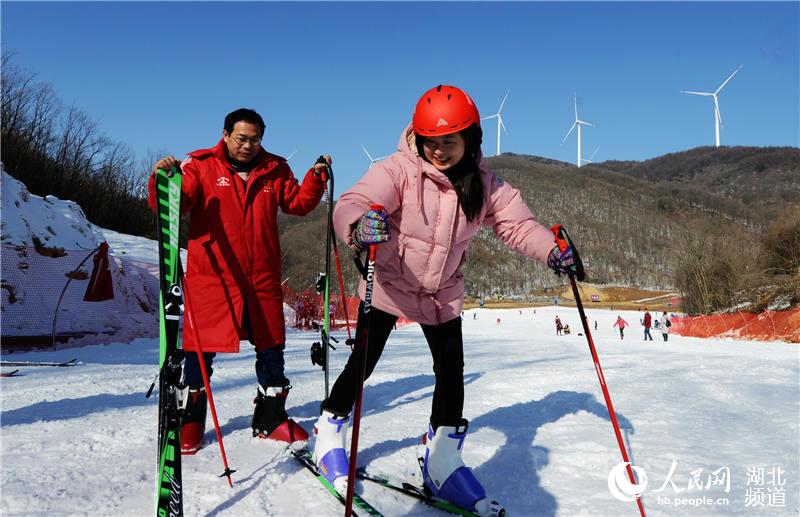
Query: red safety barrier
x: 308, y: 308
x: 765, y: 326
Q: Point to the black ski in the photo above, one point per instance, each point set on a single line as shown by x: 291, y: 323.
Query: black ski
x: 411, y: 490
x: 304, y: 457
x: 9, y: 374
x: 71, y: 362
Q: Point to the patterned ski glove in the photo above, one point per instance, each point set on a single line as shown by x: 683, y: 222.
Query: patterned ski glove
x: 562, y: 262
x: 372, y: 228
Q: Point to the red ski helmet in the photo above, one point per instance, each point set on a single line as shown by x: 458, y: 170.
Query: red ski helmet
x: 444, y: 110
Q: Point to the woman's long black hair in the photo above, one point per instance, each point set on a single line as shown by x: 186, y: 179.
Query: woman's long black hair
x: 465, y: 175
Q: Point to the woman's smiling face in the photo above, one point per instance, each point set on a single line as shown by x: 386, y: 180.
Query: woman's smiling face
x: 443, y: 152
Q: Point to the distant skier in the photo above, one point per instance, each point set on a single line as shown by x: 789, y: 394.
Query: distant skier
x: 621, y: 323
x: 436, y: 192
x: 665, y: 325
x: 232, y: 192
x: 567, y: 330
x: 559, y: 326
x: 498, y: 321
x: 647, y: 322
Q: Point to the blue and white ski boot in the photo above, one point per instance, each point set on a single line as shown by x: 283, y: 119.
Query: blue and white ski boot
x: 446, y: 476
x: 330, y: 454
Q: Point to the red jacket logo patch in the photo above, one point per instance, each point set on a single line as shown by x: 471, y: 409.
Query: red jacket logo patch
x: 222, y: 181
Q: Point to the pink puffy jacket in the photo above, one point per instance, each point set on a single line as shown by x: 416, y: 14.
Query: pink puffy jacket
x: 417, y: 273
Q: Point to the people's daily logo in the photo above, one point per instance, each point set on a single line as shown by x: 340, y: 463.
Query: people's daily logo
x: 442, y: 122
x: 621, y: 487
x: 222, y: 181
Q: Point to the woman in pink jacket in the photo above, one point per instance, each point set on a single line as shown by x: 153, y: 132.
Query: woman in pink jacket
x: 436, y: 193
x: 621, y: 323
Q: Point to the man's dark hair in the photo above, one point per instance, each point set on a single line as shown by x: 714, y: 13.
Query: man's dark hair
x: 246, y: 115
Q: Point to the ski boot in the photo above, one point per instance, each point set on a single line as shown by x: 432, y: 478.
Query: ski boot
x: 193, y: 422
x: 330, y: 454
x: 270, y: 419
x: 445, y: 476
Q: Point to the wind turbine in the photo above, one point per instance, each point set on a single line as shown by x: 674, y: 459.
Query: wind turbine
x: 578, y: 123
x: 500, y: 124
x: 592, y: 156
x: 372, y: 161
x: 715, y: 95
x: 290, y: 156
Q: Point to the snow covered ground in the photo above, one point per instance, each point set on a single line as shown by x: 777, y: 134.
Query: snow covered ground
x: 81, y: 440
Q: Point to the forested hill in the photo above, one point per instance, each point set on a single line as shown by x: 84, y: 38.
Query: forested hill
x: 752, y: 182
x: 632, y: 221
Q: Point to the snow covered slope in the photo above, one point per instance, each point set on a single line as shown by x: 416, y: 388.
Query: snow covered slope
x: 81, y: 440
x: 30, y: 220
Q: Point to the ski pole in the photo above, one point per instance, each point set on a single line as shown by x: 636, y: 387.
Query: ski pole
x: 329, y: 172
x: 206, y: 383
x: 327, y: 175
x: 342, y: 291
x: 351, y: 475
x: 563, y: 241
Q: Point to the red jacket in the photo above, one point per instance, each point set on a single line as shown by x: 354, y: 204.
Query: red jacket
x: 234, y: 252
x: 648, y: 320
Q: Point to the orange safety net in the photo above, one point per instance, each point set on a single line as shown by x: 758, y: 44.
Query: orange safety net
x: 308, y: 307
x: 767, y: 325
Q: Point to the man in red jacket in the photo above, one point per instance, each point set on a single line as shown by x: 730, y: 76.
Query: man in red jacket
x: 647, y: 322
x: 232, y: 193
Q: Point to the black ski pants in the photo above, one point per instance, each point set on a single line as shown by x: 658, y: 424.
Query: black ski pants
x: 447, y: 349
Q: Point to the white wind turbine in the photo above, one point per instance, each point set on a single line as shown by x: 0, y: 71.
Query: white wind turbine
x: 290, y: 156
x: 715, y: 95
x: 372, y: 161
x: 500, y: 124
x: 578, y: 123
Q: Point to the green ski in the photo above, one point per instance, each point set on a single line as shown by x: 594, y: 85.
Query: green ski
x: 359, y: 504
x: 169, y: 483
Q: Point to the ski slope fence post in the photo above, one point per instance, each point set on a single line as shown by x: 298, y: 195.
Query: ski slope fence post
x: 61, y: 297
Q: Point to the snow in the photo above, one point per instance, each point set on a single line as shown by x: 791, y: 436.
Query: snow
x: 135, y: 248
x: 82, y: 439
x: 28, y: 218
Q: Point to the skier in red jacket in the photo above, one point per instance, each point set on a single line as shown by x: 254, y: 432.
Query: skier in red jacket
x: 232, y: 193
x: 647, y: 322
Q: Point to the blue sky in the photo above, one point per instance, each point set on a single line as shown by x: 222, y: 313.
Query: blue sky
x: 330, y: 76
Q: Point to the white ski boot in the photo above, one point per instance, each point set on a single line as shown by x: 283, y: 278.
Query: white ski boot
x: 330, y: 450
x: 445, y: 474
